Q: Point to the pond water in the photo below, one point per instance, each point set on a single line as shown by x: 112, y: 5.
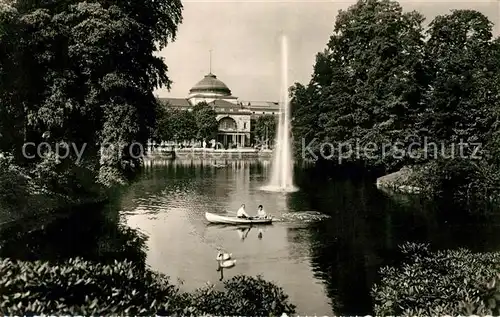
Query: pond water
x: 326, y: 250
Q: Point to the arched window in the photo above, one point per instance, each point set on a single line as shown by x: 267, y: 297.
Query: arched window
x: 227, y: 123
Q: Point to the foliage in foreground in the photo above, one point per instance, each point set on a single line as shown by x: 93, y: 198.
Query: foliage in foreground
x: 243, y: 296
x: 82, y: 287
x: 452, y: 282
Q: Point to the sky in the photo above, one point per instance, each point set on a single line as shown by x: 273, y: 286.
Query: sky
x: 244, y: 37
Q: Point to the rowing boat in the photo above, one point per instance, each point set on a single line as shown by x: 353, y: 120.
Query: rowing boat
x: 213, y: 218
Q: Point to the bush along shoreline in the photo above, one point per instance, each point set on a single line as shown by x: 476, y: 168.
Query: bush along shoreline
x: 428, y: 283
x: 29, y: 193
x: 79, y: 287
x: 423, y: 283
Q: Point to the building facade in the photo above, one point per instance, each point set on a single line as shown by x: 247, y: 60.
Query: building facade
x: 235, y: 117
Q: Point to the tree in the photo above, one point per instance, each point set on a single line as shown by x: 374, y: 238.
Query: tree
x: 92, y: 71
x: 367, y: 84
x: 462, y: 105
x: 183, y: 125
x: 379, y: 87
x: 305, y: 114
x: 11, y: 115
x: 378, y: 50
x: 162, y: 130
x: 461, y: 67
x: 206, y: 121
x: 265, y: 128
x: 174, y: 124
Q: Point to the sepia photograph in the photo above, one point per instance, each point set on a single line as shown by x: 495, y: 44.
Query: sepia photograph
x: 249, y: 158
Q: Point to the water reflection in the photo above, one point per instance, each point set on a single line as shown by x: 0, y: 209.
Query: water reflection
x: 243, y: 232
x: 332, y: 235
x: 210, y: 161
x: 183, y: 245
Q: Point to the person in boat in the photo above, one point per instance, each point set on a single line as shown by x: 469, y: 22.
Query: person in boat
x: 261, y: 213
x: 241, y: 213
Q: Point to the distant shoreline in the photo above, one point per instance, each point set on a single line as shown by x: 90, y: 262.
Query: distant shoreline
x: 208, y: 153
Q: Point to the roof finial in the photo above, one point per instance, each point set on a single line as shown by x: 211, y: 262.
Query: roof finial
x: 210, y: 63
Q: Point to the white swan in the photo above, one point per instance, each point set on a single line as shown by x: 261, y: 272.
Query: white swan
x: 227, y: 264
x: 221, y: 256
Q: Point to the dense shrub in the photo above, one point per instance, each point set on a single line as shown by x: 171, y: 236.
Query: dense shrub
x: 451, y: 282
x: 82, y: 287
x: 490, y: 303
x: 30, y: 191
x: 460, y: 180
x: 244, y: 296
x: 14, y: 186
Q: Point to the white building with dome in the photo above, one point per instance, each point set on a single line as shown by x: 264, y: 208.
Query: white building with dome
x: 235, y: 116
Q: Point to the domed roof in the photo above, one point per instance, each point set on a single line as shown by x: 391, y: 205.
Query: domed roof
x: 210, y: 84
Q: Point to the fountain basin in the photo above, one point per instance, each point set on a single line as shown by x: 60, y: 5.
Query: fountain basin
x: 279, y: 189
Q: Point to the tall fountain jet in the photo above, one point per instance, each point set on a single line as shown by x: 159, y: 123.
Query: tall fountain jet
x: 282, y: 167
